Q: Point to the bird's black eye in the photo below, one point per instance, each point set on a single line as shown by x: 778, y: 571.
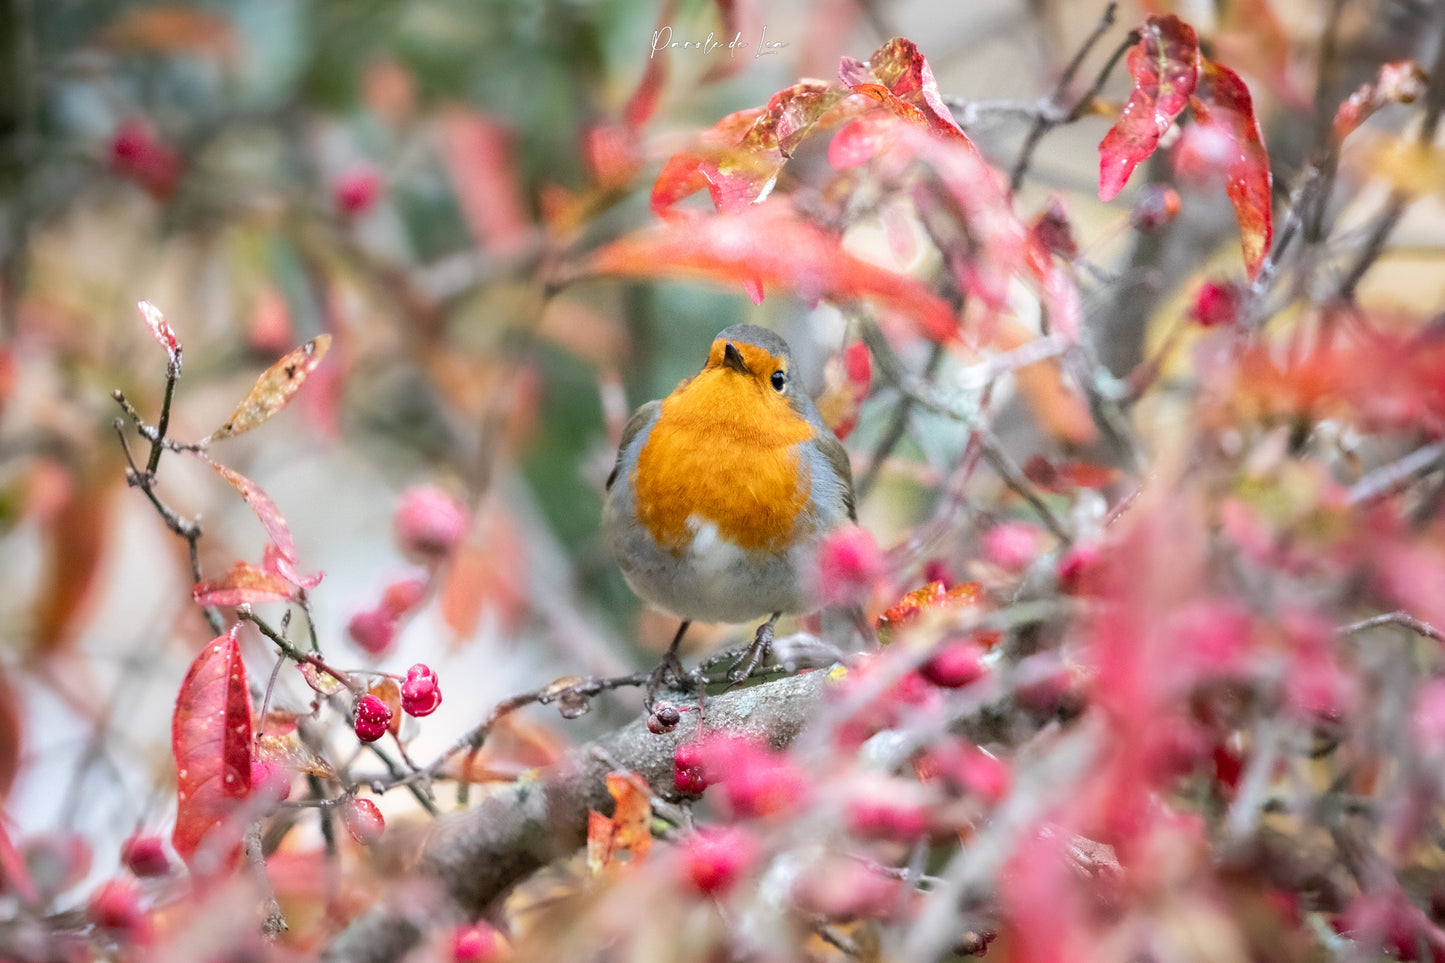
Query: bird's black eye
x: 780, y: 380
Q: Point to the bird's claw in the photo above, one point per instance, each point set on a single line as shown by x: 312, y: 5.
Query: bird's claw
x: 758, y: 651
x: 669, y: 674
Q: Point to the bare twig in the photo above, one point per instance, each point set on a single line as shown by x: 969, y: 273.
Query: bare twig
x: 1405, y: 619
x: 1045, y: 121
x: 1391, y: 478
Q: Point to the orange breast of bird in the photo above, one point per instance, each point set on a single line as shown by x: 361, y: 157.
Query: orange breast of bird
x: 724, y: 452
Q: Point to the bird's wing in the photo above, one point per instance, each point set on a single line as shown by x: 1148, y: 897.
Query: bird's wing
x: 837, y: 456
x: 640, y: 419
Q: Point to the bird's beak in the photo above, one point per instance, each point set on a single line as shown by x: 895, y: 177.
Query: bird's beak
x: 734, y: 359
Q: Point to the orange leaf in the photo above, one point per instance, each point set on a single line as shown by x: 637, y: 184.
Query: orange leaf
x: 1223, y: 102
x: 243, y: 583
x: 182, y: 28
x: 211, y: 739
x: 1165, y: 67
x: 898, y: 76
x: 772, y: 244
x: 274, y: 389
x: 739, y: 158
x: 626, y: 838
x: 930, y: 598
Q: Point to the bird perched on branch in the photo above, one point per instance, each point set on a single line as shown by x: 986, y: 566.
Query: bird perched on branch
x: 723, y: 491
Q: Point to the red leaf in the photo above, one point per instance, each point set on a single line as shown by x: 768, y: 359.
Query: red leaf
x: 478, y: 152
x: 274, y: 389
x: 284, y: 561
x: 860, y: 139
x: 211, y: 739
x: 738, y: 160
x: 243, y: 584
x: 10, y: 722
x: 164, y: 335
x: 898, y: 76
x: 1398, y: 83
x: 1223, y: 103
x: 1165, y: 67
x: 774, y: 245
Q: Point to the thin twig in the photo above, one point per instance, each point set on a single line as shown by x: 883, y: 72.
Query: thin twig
x: 1416, y: 625
x: 1390, y: 478
x: 274, y: 922
x: 1045, y: 121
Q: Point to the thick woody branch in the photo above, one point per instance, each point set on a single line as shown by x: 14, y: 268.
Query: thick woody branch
x: 478, y: 855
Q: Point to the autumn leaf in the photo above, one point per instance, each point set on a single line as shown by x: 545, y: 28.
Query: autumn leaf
x: 739, y: 158
x: 172, y: 28
x: 478, y: 152
x: 164, y: 335
x: 899, y: 77
x: 774, y: 245
x: 625, y: 838
x: 274, y: 389
x: 242, y: 584
x: 1223, y: 103
x: 1402, y: 82
x: 933, y: 597
x: 1165, y: 67
x: 846, y: 377
x: 211, y: 740
x: 283, y: 561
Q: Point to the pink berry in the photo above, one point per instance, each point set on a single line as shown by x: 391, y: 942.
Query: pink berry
x: 357, y: 190
x: 954, y: 665
x: 850, y: 563
x: 687, y: 769
x: 373, y: 630
x: 420, y: 694
x: 115, y: 906
x: 478, y: 943
x: 1218, y: 304
x: 363, y: 821
x: 1012, y: 545
x: 373, y: 717
x: 429, y: 522
x: 713, y: 860
x: 145, y: 855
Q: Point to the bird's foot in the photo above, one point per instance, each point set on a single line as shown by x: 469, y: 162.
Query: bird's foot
x: 669, y: 674
x: 758, y: 651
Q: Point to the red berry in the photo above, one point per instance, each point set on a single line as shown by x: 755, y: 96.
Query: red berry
x: 478, y: 943
x: 363, y: 821
x: 271, y: 778
x: 115, y: 906
x: 373, y: 717
x: 145, y: 855
x: 429, y: 522
x: 687, y: 769
x: 420, y: 695
x: 713, y: 860
x: 373, y: 630
x: 1218, y: 304
x: 954, y: 665
x: 356, y: 190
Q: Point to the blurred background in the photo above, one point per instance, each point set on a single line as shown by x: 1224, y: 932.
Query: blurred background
x: 405, y: 176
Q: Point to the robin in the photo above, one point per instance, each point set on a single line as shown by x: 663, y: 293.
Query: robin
x: 722, y: 492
